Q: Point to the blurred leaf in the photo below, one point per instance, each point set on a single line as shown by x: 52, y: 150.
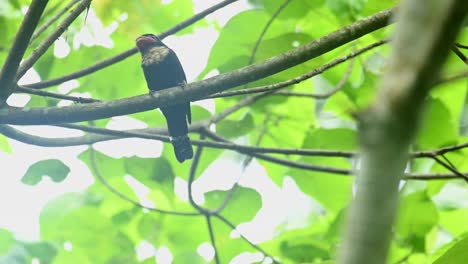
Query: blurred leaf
x: 437, y: 129
x: 55, y: 169
x: 4, y: 145
x: 245, y: 200
x: 6, y: 241
x: 455, y: 254
x: 43, y: 251
x: 235, y: 128
x: 417, y: 216
x: 319, y: 185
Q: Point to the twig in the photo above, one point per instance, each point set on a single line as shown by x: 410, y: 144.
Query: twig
x: 450, y: 167
x: 460, y: 54
x: 191, y: 179
x: 233, y: 227
x: 123, y: 55
x: 12, y: 62
x: 212, y: 238
x: 285, y: 162
x: 75, y: 99
x: 44, y: 45
x: 461, y: 46
x: 317, y: 71
x: 53, y: 19
x: 96, y: 172
x: 265, y: 29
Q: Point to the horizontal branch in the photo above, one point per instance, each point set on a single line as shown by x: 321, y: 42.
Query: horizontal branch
x: 196, y: 90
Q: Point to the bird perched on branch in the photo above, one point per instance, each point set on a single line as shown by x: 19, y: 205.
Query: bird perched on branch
x: 163, y: 70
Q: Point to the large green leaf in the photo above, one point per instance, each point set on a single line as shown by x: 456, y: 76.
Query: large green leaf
x: 244, y: 200
x: 457, y: 253
x: 319, y: 185
x: 55, y: 169
x: 417, y: 216
x: 6, y: 241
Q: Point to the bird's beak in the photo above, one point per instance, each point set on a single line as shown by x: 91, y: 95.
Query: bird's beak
x: 142, y: 41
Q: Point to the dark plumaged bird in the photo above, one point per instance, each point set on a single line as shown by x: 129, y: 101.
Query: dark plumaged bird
x: 163, y: 70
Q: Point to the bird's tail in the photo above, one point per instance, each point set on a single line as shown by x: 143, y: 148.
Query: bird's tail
x: 182, y: 148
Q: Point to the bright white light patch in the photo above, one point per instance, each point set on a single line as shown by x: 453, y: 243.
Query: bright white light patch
x: 206, y: 251
x: 68, y: 246
x: 164, y: 255
x: 61, y: 48
x: 145, y: 250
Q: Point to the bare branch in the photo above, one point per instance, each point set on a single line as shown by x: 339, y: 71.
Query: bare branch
x: 53, y: 19
x: 12, y: 62
x: 315, y: 72
x: 196, y: 90
x: 44, y: 45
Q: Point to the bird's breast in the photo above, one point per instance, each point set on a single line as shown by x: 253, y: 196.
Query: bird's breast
x: 155, y: 55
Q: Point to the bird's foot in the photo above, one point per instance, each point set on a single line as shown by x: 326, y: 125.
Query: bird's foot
x: 152, y: 93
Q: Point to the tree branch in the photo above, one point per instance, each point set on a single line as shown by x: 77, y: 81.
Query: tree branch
x: 12, y: 62
x: 42, y: 48
x: 47, y: 24
x: 197, y: 90
x: 423, y: 38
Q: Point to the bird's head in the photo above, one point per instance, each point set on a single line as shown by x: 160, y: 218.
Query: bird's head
x: 146, y: 41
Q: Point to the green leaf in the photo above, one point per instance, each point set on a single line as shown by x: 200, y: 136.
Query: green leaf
x: 235, y: 128
x: 55, y: 169
x: 245, y: 200
x: 457, y: 253
x: 6, y: 241
x: 319, y: 185
x: 4, y: 145
x: 417, y: 216
x: 438, y: 128
x: 44, y: 251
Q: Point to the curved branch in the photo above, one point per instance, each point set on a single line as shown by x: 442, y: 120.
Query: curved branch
x: 196, y: 90
x: 113, y: 190
x: 315, y: 72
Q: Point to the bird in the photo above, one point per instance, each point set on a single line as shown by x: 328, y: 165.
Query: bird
x: 162, y: 69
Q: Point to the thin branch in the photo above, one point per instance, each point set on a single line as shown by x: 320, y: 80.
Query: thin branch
x: 53, y: 19
x: 96, y: 172
x: 20, y: 44
x: 13, y: 133
x: 191, y: 179
x: 450, y: 168
x: 123, y: 55
x: 321, y: 69
x: 233, y: 227
x: 285, y: 162
x: 244, y: 165
x: 156, y: 134
x: 460, y: 54
x: 454, y: 77
x: 212, y: 238
x: 265, y: 29
x: 461, y: 46
x: 44, y: 45
x: 75, y: 99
